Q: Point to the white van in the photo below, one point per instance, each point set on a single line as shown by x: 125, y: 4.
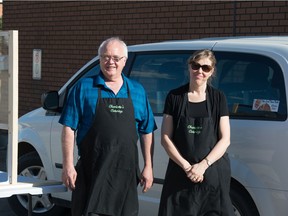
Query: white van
x: 252, y: 72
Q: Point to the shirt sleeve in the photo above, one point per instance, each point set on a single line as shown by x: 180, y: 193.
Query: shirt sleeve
x: 168, y: 107
x: 148, y: 124
x: 224, y: 111
x: 71, y: 111
x: 174, y: 102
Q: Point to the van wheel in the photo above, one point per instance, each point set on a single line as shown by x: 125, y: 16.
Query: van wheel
x: 243, y: 205
x: 30, y: 165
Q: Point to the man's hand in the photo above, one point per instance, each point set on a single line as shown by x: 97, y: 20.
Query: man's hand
x: 69, y: 177
x: 69, y: 173
x: 146, y: 179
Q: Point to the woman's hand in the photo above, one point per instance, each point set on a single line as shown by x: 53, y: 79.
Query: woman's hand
x: 196, y: 172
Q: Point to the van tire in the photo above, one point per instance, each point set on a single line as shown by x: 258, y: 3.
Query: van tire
x: 31, y: 164
x: 242, y: 203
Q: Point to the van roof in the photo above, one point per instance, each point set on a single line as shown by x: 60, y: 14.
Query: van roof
x: 270, y: 39
x: 238, y: 39
x: 209, y: 43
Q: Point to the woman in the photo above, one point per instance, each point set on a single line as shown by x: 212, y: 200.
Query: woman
x: 196, y: 134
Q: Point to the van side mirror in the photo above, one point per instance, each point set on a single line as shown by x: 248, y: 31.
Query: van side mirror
x: 50, y: 100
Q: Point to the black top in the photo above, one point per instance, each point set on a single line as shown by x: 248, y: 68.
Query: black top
x: 194, y: 137
x: 218, y: 104
x: 198, y: 109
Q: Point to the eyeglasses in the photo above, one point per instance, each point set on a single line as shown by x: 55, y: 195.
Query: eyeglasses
x: 205, y: 68
x: 114, y: 58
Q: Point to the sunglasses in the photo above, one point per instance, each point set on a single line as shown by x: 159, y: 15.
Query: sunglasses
x: 205, y: 68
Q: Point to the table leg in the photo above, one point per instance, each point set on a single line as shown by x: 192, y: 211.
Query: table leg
x: 29, y: 205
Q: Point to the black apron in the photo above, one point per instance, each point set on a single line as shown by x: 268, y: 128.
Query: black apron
x: 108, y: 171
x: 195, y: 138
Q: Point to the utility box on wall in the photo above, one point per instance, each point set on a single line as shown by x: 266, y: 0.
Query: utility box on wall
x: 37, y: 58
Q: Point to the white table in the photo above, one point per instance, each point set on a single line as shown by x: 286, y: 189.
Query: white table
x: 29, y: 186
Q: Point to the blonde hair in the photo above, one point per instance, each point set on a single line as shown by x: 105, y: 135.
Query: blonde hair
x: 196, y: 56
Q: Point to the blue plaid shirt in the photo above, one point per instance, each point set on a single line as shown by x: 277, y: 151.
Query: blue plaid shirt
x: 79, y: 110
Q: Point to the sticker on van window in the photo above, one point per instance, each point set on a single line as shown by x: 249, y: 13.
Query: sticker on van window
x: 266, y: 105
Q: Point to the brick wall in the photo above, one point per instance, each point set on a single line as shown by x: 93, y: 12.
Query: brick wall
x: 69, y: 32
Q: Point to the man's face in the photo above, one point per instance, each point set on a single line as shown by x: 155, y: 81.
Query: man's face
x: 112, y: 60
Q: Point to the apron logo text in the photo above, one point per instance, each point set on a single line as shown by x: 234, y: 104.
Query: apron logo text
x: 116, y: 108
x: 194, y: 129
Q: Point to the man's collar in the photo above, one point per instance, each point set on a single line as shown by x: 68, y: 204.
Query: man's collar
x: 100, y: 80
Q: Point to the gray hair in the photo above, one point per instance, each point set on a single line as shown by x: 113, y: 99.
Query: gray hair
x: 107, y: 41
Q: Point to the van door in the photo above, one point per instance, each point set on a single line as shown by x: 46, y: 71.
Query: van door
x: 255, y: 91
x: 159, y: 73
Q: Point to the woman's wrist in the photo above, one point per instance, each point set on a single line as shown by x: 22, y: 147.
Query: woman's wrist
x: 208, y: 162
x: 187, y: 167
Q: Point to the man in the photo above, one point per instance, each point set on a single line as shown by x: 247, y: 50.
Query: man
x: 108, y: 112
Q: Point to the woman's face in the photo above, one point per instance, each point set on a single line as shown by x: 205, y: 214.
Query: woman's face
x: 200, y: 71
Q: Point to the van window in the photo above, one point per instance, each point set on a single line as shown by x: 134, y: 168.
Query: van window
x: 159, y: 73
x: 253, y: 85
